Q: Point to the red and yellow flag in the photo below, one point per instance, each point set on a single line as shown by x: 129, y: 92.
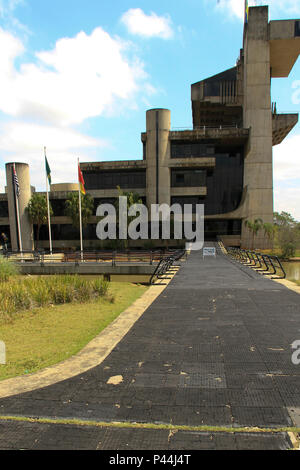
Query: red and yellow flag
x: 81, y: 180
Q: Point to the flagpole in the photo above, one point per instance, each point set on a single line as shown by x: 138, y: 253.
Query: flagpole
x: 48, y: 209
x: 80, y: 215
x: 18, y: 215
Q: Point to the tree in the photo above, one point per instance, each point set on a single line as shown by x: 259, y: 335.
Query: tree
x: 269, y: 230
x: 287, y: 233
x: 72, y: 208
x: 284, y: 219
x: 38, y: 212
x: 254, y: 228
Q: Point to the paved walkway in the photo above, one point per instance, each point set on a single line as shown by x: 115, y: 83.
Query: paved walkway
x: 214, y: 349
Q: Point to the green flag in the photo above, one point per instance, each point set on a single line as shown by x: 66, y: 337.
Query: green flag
x: 48, y: 171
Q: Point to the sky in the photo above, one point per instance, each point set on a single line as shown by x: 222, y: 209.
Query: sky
x: 77, y: 78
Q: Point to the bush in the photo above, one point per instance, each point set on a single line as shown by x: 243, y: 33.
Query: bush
x: 7, y: 269
x: 101, y: 287
x: 42, y: 291
x: 288, y: 250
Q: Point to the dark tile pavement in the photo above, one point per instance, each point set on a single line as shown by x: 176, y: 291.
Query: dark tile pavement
x: 213, y: 349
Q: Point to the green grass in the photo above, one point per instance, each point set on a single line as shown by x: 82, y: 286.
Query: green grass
x: 277, y: 252
x: 153, y: 426
x: 8, y: 269
x: 44, y: 336
x: 28, y: 292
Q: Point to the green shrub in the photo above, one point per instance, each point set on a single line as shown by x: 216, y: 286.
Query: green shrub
x: 100, y: 286
x: 288, y: 250
x: 41, y: 291
x: 8, y: 269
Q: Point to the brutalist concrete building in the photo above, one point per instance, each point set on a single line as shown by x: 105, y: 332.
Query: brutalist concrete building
x: 224, y: 162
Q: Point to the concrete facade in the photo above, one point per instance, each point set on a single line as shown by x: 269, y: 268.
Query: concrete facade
x: 224, y: 162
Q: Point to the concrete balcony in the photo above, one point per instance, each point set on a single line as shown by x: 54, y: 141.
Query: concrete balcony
x: 282, y: 125
x: 225, y: 135
x: 115, y: 165
x: 109, y: 193
x: 192, y: 162
x: 284, y: 46
x: 192, y: 191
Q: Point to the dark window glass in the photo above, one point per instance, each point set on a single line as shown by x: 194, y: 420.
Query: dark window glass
x: 188, y: 178
x: 190, y: 150
x: 225, y: 183
x: 3, y: 209
x: 112, y: 179
x: 297, y: 28
x: 213, y: 228
x: 58, y: 207
x: 66, y: 232
x: 183, y: 200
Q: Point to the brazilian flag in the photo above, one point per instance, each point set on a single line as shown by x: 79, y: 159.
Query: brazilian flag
x: 48, y: 171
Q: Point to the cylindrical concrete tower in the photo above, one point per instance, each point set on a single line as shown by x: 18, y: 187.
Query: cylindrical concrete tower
x: 22, y: 170
x: 158, y: 124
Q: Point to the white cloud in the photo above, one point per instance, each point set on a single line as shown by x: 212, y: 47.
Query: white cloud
x: 7, y: 7
x: 235, y: 8
x: 286, y: 171
x: 137, y: 22
x: 7, y: 10
x: 286, y: 161
x: 2, y: 180
x: 23, y: 142
x: 287, y: 199
x: 82, y: 77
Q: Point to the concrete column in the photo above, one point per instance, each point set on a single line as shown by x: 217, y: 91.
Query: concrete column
x: 258, y: 117
x: 158, y: 124
x: 22, y: 170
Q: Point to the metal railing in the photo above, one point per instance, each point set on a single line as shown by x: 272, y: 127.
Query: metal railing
x: 267, y: 265
x: 165, y: 266
x: 107, y: 257
x: 199, y: 128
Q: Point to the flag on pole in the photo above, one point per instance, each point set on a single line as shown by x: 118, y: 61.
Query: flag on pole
x: 16, y: 181
x: 48, y: 171
x: 48, y: 180
x: 81, y: 180
x: 246, y: 11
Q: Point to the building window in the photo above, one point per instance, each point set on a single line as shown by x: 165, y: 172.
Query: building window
x: 3, y: 209
x: 191, y: 200
x: 190, y: 150
x: 111, y: 179
x: 188, y: 178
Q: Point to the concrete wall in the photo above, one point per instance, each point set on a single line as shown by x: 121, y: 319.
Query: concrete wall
x: 257, y: 115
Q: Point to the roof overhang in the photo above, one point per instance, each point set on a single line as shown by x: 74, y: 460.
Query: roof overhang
x: 284, y: 46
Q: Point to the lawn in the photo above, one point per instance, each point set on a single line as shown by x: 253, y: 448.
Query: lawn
x: 277, y: 252
x: 45, y: 336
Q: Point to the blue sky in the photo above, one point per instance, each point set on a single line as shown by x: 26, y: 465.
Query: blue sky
x: 78, y: 76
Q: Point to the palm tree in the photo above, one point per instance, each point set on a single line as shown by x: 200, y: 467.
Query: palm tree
x: 37, y: 211
x: 72, y: 208
x: 254, y: 228
x: 269, y: 230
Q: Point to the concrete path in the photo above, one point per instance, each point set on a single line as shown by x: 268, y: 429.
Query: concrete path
x: 214, y: 349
